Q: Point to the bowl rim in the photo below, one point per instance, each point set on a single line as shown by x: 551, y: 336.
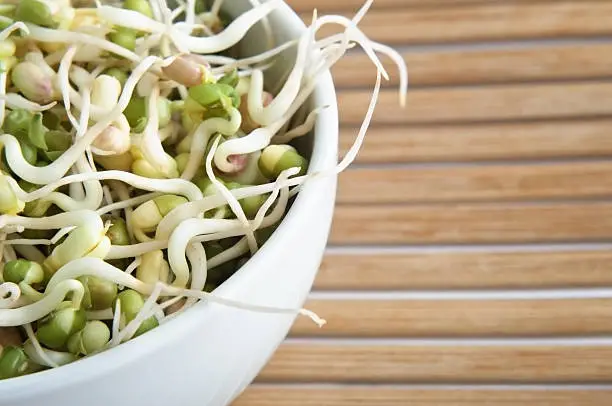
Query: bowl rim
x: 324, y: 157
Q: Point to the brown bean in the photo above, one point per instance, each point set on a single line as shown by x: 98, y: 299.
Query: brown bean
x: 184, y: 71
x: 248, y: 124
x: 175, y: 307
x: 10, y: 336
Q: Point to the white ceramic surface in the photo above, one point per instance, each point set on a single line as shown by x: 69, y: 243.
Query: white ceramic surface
x: 209, y: 354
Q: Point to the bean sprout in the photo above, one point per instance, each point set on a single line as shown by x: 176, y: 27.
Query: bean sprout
x: 143, y: 166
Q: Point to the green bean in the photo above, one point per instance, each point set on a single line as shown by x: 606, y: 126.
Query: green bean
x: 275, y: 159
x: 205, y: 94
x: 92, y: 338
x: 215, y: 96
x: 100, y: 293
x: 131, y: 304
x: 136, y: 112
x: 117, y: 232
x: 34, y: 11
x: 203, y: 183
x: 146, y: 325
x: 124, y: 37
x: 21, y: 270
x: 166, y: 203
x: 118, y: 74
x: 13, y: 362
x: 250, y: 205
x: 142, y: 6
x: 55, y: 329
x: 208, y: 189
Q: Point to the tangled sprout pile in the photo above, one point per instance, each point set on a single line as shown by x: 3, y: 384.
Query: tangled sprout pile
x: 142, y: 162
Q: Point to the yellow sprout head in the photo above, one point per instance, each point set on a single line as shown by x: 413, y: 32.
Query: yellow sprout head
x: 9, y: 203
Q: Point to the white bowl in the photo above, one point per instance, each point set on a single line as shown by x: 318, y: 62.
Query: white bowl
x: 209, y: 354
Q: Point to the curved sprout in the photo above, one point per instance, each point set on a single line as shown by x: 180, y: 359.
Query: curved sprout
x: 202, y: 135
x: 38, y: 310
x: 199, y: 268
x: 173, y: 186
x: 47, y: 35
x: 231, y: 35
x: 17, y: 101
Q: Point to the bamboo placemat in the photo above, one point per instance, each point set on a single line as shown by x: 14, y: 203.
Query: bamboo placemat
x: 462, y: 212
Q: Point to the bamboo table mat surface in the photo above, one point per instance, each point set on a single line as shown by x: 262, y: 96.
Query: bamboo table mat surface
x: 469, y: 219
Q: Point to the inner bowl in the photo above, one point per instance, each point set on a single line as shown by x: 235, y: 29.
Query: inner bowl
x: 211, y: 352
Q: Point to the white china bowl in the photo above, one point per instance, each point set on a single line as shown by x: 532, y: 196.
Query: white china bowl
x: 209, y: 354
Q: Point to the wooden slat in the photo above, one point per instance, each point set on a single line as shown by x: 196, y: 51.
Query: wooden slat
x: 281, y: 395
x: 461, y: 67
x: 352, y: 5
x: 464, y: 270
x: 476, y: 183
x: 485, y: 21
x: 457, y: 318
x: 485, y: 141
x: 464, y: 363
x: 490, y: 103
x: 471, y: 223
